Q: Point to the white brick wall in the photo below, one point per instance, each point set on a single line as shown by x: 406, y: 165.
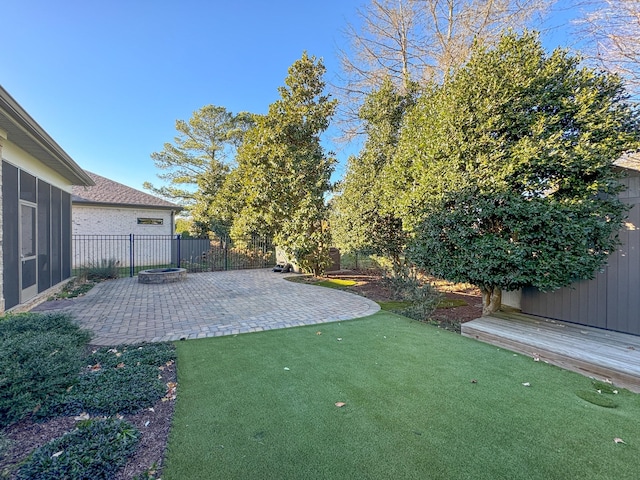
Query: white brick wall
x: 94, y: 220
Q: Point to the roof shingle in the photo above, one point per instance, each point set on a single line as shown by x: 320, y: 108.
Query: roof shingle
x: 109, y: 192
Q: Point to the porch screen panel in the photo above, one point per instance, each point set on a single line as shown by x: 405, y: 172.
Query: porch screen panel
x: 44, y: 239
x: 66, y: 234
x: 56, y: 236
x: 11, y: 246
x: 27, y: 187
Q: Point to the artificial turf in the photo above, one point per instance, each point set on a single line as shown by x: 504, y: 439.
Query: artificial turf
x: 420, y: 403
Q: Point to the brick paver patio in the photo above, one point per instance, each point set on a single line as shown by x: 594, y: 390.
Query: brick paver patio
x: 207, y: 305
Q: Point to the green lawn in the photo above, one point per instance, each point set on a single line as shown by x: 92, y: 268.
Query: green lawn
x: 336, y: 283
x: 420, y: 403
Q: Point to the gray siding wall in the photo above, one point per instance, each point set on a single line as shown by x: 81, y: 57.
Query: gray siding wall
x: 612, y: 299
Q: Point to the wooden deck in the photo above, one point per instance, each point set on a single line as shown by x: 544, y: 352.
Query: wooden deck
x: 590, y: 351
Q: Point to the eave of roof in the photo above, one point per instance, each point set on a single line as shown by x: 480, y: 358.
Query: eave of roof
x: 629, y: 161
x: 25, y: 132
x: 89, y: 203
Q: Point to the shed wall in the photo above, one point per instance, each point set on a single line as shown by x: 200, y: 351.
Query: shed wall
x: 612, y: 299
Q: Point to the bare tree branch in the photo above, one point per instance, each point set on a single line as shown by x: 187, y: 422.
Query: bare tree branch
x: 419, y: 41
x: 611, y: 32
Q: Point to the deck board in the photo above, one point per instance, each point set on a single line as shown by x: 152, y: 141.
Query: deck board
x: 587, y: 350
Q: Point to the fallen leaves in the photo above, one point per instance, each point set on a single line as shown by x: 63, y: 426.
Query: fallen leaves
x: 171, y: 391
x: 95, y: 368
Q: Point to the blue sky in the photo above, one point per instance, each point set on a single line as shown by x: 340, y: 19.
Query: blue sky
x: 107, y: 80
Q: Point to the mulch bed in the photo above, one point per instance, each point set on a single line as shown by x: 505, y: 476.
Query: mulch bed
x: 27, y: 435
x: 370, y: 284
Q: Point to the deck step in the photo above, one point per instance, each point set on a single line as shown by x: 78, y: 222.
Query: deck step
x: 590, y: 351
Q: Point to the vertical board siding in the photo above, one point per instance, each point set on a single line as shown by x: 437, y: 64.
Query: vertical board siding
x: 623, y: 302
x: 612, y: 299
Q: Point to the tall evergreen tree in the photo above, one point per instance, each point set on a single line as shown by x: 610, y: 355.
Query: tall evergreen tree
x: 197, y: 162
x: 283, y: 172
x: 359, y: 223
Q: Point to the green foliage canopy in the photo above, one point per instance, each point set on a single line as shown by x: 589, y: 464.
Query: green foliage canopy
x: 505, y: 172
x: 283, y: 173
x: 358, y: 224
x: 196, y: 164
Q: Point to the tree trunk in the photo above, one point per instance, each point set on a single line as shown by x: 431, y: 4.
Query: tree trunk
x: 491, y: 299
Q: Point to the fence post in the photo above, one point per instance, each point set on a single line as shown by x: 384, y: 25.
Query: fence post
x: 226, y: 253
x: 178, y: 237
x: 131, y: 256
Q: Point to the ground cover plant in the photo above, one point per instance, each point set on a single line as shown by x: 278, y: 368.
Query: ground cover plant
x: 41, y: 356
x: 63, y: 402
x: 94, y: 449
x: 387, y: 397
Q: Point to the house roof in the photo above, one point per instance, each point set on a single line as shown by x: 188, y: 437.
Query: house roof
x: 629, y: 161
x: 25, y: 132
x: 108, y: 192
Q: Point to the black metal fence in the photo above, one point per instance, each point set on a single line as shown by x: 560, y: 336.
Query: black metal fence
x: 126, y: 255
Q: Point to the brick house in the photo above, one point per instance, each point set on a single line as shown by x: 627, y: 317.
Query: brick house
x: 111, y: 208
x: 114, y: 223
x: 35, y: 215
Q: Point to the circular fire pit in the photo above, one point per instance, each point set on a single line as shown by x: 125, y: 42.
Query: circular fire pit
x: 162, y: 275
